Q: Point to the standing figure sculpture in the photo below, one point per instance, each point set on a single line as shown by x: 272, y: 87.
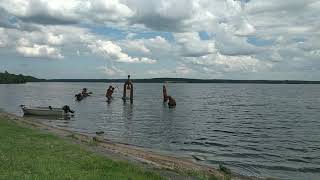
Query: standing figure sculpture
x: 128, y: 86
x: 172, y: 102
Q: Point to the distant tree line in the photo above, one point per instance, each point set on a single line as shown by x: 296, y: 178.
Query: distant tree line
x: 187, y: 80
x: 8, y: 78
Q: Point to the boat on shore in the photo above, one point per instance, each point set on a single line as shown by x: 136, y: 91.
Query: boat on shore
x: 46, y: 111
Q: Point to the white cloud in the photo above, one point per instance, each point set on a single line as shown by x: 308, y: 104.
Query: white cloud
x: 55, y: 39
x: 190, y: 44
x: 181, y: 70
x: 160, y: 14
x: 3, y: 38
x: 183, y: 15
x: 244, y: 28
x: 136, y: 45
x: 221, y: 63
x: 68, y: 12
x: 114, y: 52
x: 112, y: 71
x: 232, y: 45
x: 155, y: 46
x: 101, y: 11
x: 243, y: 36
x: 43, y: 12
x: 27, y: 49
x: 158, y: 43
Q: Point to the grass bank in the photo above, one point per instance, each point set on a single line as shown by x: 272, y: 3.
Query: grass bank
x: 31, y: 154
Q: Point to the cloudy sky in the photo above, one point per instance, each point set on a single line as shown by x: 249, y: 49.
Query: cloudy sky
x: 235, y: 39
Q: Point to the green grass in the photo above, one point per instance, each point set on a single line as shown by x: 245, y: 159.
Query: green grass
x: 30, y: 154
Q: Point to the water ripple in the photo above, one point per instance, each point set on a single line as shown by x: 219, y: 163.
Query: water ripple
x: 255, y: 129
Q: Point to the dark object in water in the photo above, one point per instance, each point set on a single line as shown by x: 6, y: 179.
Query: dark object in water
x: 79, y: 97
x: 198, y: 158
x: 84, y: 92
x: 128, y: 86
x: 67, y: 109
x: 99, y: 132
x: 109, y: 93
x: 172, y: 103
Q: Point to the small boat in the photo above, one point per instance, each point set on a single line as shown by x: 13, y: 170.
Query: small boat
x: 46, y: 111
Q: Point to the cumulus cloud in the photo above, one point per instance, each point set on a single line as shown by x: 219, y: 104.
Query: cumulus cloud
x: 244, y: 28
x: 3, y: 38
x: 43, y: 12
x: 161, y: 15
x: 67, y: 12
x: 241, y: 36
x: 232, y: 45
x: 112, y: 51
x: 221, y: 63
x: 190, y: 44
x: 157, y: 47
x: 158, y: 43
x: 137, y: 46
x: 28, y: 49
x: 112, y: 71
x: 181, y: 70
x: 55, y: 39
x: 101, y: 11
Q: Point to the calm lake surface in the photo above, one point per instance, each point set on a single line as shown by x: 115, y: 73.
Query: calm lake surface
x: 259, y: 130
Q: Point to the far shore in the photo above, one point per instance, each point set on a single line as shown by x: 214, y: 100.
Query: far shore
x: 187, y: 80
x: 8, y: 78
x: 169, y: 167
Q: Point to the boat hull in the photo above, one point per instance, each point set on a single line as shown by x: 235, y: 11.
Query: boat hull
x: 39, y: 111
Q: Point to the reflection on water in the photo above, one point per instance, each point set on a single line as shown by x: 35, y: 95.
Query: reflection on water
x: 260, y: 130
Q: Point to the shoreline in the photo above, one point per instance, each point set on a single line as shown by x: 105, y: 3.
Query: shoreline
x: 148, y: 157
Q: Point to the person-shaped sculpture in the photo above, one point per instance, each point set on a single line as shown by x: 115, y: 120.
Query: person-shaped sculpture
x: 172, y: 102
x: 128, y: 86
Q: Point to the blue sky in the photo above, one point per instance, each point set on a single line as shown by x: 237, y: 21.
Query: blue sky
x: 233, y: 39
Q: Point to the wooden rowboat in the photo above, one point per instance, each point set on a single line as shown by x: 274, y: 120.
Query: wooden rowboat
x: 45, y: 111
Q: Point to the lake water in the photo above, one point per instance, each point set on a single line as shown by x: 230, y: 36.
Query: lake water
x: 259, y: 130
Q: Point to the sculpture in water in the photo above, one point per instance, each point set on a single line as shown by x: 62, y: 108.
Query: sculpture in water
x: 128, y: 86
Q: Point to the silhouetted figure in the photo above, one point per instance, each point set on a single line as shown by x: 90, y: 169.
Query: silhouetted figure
x: 85, y: 93
x: 172, y: 103
x: 79, y: 97
x: 109, y: 93
x: 67, y: 109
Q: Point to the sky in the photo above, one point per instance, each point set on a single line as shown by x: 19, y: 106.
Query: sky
x: 208, y: 39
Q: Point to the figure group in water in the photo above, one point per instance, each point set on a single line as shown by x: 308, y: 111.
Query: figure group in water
x: 128, y: 87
